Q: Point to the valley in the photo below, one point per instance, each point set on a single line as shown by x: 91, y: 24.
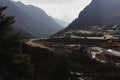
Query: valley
x: 97, y: 51
x: 38, y: 43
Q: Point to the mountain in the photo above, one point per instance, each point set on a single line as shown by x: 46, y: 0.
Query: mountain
x: 31, y: 19
x: 62, y: 22
x: 99, y: 12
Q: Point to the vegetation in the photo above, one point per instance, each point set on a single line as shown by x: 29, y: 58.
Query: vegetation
x: 14, y: 63
x: 24, y: 62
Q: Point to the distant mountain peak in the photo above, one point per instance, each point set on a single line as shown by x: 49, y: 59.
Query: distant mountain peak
x: 62, y: 22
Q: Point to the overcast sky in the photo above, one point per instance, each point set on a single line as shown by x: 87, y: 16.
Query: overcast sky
x: 66, y: 10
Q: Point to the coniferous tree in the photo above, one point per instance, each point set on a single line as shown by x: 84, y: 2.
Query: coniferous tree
x: 14, y: 63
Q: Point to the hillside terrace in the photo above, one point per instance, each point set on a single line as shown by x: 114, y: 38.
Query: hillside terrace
x: 105, y: 55
x: 92, y: 33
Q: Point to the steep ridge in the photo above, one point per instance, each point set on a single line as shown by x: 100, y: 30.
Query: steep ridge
x: 31, y: 19
x: 99, y: 12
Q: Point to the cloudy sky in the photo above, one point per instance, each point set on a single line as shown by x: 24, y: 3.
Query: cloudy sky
x: 66, y: 10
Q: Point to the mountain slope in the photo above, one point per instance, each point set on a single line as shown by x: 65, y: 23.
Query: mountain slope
x: 99, y: 12
x: 62, y: 22
x: 31, y: 19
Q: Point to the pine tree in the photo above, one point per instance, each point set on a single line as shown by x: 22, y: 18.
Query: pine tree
x: 14, y: 63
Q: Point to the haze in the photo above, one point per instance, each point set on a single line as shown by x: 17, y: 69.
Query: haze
x: 66, y: 10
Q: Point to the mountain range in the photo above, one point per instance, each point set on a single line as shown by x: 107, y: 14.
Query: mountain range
x: 98, y: 13
x: 31, y: 21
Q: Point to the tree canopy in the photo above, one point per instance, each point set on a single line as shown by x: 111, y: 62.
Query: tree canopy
x: 14, y: 63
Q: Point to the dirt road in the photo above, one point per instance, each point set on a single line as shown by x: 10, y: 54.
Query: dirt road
x: 33, y: 44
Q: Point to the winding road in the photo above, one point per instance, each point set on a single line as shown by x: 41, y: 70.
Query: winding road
x: 32, y: 43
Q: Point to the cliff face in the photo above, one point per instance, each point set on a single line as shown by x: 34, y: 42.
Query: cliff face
x: 99, y: 12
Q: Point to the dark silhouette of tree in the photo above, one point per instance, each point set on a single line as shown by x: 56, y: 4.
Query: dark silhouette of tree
x: 14, y: 63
